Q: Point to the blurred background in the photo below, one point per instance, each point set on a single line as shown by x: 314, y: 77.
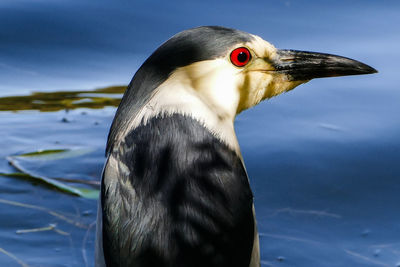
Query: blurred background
x: 323, y: 159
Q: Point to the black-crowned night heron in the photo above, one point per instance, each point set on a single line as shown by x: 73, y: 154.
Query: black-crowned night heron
x: 174, y: 190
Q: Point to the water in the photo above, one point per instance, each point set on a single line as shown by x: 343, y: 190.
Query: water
x: 322, y: 159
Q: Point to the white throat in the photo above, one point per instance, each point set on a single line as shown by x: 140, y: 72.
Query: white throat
x: 192, y: 91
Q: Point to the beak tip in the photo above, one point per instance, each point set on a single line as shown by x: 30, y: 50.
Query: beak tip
x: 366, y: 69
x: 374, y: 71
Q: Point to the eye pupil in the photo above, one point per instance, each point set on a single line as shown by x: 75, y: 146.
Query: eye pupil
x: 242, y: 57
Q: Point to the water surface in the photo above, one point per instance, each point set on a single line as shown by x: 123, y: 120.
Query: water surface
x: 323, y: 160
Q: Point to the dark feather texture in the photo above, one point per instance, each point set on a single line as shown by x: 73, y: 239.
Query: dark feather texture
x: 177, y: 197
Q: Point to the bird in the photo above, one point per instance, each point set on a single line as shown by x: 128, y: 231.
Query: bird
x: 174, y: 188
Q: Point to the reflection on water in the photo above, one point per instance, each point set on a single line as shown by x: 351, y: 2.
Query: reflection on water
x: 54, y: 157
x: 54, y: 101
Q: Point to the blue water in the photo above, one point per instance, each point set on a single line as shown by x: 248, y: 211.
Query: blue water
x: 323, y: 160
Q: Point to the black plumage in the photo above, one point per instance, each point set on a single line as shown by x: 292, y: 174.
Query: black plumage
x: 173, y: 208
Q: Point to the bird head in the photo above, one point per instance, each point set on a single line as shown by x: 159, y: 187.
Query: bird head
x: 213, y: 73
x: 237, y: 73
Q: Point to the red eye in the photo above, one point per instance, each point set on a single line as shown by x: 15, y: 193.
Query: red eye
x: 240, y: 56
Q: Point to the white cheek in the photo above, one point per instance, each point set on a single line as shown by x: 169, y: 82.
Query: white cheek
x: 279, y: 85
x: 261, y: 86
x: 221, y: 90
x: 253, y: 89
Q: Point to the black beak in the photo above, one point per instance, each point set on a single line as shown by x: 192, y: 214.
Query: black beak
x: 302, y: 66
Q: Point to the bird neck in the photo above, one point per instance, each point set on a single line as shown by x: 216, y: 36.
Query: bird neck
x: 179, y: 98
